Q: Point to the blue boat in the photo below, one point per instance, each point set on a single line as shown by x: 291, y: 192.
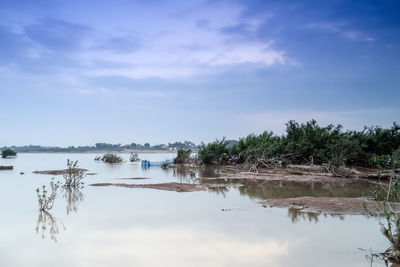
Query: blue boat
x: 146, y: 163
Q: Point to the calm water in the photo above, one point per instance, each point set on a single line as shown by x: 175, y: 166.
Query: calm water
x: 110, y: 226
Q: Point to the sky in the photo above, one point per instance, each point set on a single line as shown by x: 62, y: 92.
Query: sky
x: 80, y: 72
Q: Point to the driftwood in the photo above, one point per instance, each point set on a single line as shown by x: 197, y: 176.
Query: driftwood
x: 6, y: 167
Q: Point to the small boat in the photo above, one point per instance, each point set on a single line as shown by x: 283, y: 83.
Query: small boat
x: 146, y: 163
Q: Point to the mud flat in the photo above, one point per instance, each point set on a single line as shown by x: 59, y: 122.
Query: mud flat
x: 58, y: 172
x: 133, y: 178
x: 330, y: 205
x: 177, y: 187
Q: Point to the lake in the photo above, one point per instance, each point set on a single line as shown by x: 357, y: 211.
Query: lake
x: 115, y: 226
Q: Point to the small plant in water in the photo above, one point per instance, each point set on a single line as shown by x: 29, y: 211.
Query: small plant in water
x: 74, y: 176
x: 45, y: 198
x: 8, y: 153
x: 112, y: 158
x: 134, y: 157
x: 46, y: 202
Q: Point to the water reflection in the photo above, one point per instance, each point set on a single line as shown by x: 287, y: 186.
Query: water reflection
x: 189, y: 174
x: 73, y: 197
x: 297, y: 215
x: 46, y: 221
x: 263, y: 189
x: 221, y: 191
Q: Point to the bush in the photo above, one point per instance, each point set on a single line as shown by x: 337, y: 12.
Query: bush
x: 74, y: 176
x: 183, y: 156
x: 7, y: 153
x: 111, y: 158
x: 308, y: 143
x: 214, y: 153
x: 134, y: 157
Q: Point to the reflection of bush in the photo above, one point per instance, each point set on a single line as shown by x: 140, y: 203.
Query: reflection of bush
x: 297, y: 215
x: 46, y: 202
x: 46, y: 198
x: 219, y: 190
x: 47, y: 221
x: 73, y: 197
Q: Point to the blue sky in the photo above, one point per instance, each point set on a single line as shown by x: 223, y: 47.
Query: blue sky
x: 79, y: 72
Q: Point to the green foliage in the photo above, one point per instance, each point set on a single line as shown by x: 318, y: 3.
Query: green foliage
x: 45, y: 198
x: 253, y: 147
x: 309, y: 143
x: 74, y: 176
x: 6, y: 153
x: 111, y: 158
x: 183, y: 156
x: 214, y: 153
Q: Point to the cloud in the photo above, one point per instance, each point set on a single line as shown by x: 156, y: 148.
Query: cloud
x: 122, y: 44
x: 58, y: 35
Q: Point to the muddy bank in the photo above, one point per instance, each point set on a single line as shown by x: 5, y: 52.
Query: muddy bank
x: 133, y: 178
x: 331, y: 205
x: 177, y: 187
x: 303, y: 172
x: 58, y: 172
x: 283, y: 176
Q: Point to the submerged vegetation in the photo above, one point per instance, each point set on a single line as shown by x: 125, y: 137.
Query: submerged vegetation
x: 110, y: 158
x: 8, y: 153
x: 308, y: 143
x: 183, y: 156
x: 74, y: 176
x: 46, y: 198
x: 134, y: 157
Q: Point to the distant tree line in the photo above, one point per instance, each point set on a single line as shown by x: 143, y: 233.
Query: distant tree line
x: 102, y: 147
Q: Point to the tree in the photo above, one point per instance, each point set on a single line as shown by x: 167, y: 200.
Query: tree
x: 6, y: 153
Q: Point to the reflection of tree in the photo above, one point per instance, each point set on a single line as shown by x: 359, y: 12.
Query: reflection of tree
x: 45, y: 222
x: 297, y: 215
x: 219, y: 190
x: 184, y: 173
x: 73, y: 197
x: 188, y: 173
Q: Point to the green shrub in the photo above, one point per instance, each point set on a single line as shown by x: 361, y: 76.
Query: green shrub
x: 112, y: 158
x: 6, y: 153
x: 309, y: 143
x: 183, y: 156
x: 214, y: 153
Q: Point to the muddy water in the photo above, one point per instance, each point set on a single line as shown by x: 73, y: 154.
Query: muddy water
x: 103, y: 226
